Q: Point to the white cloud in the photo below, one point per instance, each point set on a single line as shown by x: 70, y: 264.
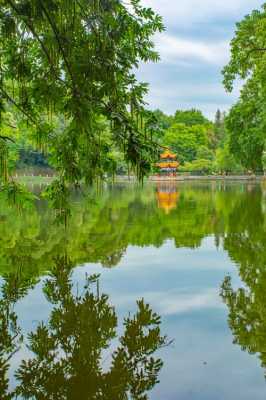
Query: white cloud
x: 174, y: 49
x: 207, y: 92
x: 186, y: 12
x: 168, y: 94
x: 194, y: 48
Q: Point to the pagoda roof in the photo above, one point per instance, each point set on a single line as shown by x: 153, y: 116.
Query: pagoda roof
x: 168, y: 164
x: 168, y: 154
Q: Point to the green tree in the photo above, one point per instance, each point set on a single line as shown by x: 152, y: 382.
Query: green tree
x: 205, y: 153
x: 198, y: 166
x: 246, y: 125
x: 74, y: 60
x: 247, y: 120
x: 186, y: 140
x: 164, y: 120
x: 190, y: 117
x: 219, y: 128
x: 225, y: 160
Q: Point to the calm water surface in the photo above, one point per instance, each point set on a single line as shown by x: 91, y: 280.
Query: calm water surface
x: 196, y: 253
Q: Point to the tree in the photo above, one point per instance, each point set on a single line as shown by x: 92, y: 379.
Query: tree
x: 225, y: 160
x: 246, y: 125
x: 248, y: 51
x: 218, y: 118
x: 74, y: 61
x: 186, y: 140
x: 164, y: 120
x: 219, y: 128
x: 199, y: 166
x: 264, y: 161
x: 190, y: 117
x: 247, y: 119
x: 205, y: 153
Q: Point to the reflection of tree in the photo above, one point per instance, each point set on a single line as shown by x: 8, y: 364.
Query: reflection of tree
x: 69, y: 351
x: 246, y: 245
x: 100, y: 230
x: 247, y: 317
x: 14, y: 287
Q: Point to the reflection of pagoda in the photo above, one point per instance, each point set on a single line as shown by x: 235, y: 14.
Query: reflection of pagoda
x: 168, y: 164
x: 167, y: 196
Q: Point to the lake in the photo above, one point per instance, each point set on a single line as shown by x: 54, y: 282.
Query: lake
x: 194, y: 252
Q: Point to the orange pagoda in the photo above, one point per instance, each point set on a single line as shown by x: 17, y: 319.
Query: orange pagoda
x: 168, y: 163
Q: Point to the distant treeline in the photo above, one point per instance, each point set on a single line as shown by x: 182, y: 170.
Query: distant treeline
x: 201, y: 146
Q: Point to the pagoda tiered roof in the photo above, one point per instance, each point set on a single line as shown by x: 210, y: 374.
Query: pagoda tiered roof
x: 167, y: 154
x: 168, y: 164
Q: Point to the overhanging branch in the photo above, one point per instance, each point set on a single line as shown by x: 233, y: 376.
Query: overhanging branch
x: 32, y: 29
x: 54, y: 28
x: 7, y: 138
x: 21, y: 109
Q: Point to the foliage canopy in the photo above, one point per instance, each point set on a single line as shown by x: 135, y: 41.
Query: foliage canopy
x: 247, y: 119
x: 67, y: 65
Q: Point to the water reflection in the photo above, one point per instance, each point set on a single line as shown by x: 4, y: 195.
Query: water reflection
x: 101, y: 230
x: 167, y: 195
x: 102, y: 227
x: 247, y: 317
x: 67, y: 352
x: 247, y: 305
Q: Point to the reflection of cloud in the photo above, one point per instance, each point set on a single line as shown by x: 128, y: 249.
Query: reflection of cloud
x: 176, y: 302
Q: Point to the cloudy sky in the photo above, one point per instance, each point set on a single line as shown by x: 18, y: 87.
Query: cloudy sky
x: 193, y: 49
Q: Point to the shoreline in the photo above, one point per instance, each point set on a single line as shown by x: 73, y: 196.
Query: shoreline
x: 185, y: 178
x: 207, y: 178
x: 40, y: 179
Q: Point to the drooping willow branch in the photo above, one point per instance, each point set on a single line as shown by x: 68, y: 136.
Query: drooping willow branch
x: 74, y: 60
x: 7, y: 138
x: 37, y: 37
x: 20, y: 108
x: 61, y: 48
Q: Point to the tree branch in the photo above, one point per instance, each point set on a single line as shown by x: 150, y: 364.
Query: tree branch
x: 32, y: 29
x: 12, y: 354
x: 54, y: 28
x: 6, y: 95
x: 7, y: 138
x: 259, y: 49
x: 11, y: 126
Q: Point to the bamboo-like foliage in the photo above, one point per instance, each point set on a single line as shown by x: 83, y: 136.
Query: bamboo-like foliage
x: 74, y: 60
